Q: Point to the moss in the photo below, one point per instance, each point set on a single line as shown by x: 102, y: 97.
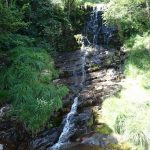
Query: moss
x: 90, y: 122
x: 49, y: 126
x: 3, y: 96
x: 103, y: 129
x: 122, y: 146
x: 94, y: 67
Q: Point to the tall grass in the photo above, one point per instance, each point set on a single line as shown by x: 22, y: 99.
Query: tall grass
x: 28, y: 82
x: 128, y: 112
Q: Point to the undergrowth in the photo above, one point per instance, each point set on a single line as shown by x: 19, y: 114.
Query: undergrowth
x: 28, y: 82
x: 127, y: 113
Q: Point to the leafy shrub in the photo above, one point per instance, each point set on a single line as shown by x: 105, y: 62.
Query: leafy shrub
x: 9, y: 41
x: 29, y: 84
x: 130, y: 16
x: 49, y: 24
x: 11, y: 17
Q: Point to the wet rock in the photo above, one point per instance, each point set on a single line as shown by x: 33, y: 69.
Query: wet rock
x: 101, y: 140
x: 3, y: 110
x: 46, y: 139
x: 9, y: 139
x: 102, y: 129
x: 85, y: 115
x: 12, y: 134
x: 82, y: 123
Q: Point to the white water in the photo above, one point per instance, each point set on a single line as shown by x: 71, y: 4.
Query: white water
x: 93, y: 27
x: 2, y: 110
x: 1, y: 147
x: 69, y: 126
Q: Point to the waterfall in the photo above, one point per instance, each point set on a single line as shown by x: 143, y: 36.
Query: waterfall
x: 93, y: 28
x: 69, y: 127
x: 96, y: 32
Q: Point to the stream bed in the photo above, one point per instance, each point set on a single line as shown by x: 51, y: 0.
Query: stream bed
x: 92, y: 73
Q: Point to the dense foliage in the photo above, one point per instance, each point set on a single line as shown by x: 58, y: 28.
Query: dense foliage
x: 130, y: 16
x: 28, y: 83
x: 11, y: 17
x: 94, y: 1
x: 31, y: 31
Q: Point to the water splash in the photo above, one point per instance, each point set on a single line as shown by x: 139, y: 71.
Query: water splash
x: 3, y: 110
x: 68, y: 129
x: 1, y: 147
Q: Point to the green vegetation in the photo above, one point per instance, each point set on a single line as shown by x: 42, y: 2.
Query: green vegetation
x: 127, y: 112
x: 130, y: 16
x: 103, y: 129
x: 28, y: 82
x: 32, y: 31
x: 11, y: 17
x: 94, y: 1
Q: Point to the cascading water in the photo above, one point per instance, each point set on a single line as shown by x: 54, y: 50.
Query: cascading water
x: 93, y: 28
x: 69, y: 128
x: 1, y: 147
x: 96, y: 32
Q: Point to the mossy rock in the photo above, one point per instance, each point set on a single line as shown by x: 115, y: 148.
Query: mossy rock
x: 103, y: 129
x: 109, y: 61
x: 90, y: 122
x: 97, y: 119
x: 121, y: 146
x: 94, y: 66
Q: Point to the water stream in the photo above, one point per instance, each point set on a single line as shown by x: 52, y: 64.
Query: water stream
x: 90, y: 37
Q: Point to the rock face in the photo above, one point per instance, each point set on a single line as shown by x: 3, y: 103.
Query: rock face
x: 102, y: 80
x: 103, y: 75
x: 12, y: 135
x: 44, y: 140
x: 100, y: 140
